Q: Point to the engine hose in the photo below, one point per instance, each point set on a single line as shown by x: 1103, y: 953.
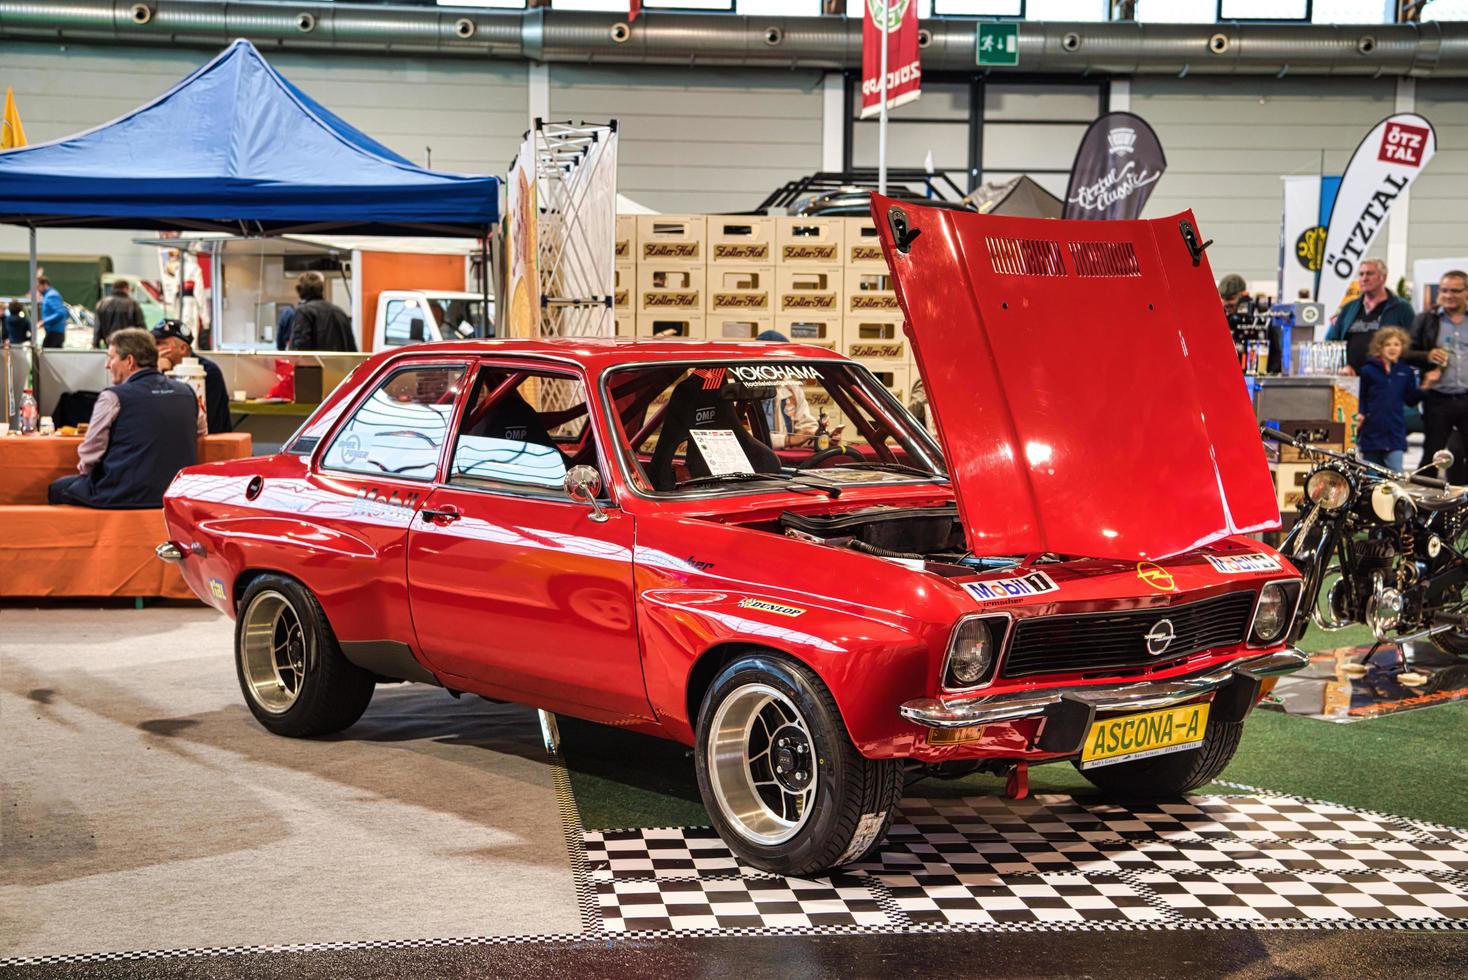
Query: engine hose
x: 871, y: 549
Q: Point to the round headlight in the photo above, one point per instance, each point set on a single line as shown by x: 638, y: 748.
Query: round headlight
x: 1271, y: 617
x: 970, y: 654
x: 1328, y: 488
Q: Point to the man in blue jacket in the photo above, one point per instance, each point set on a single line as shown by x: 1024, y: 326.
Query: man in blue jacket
x: 53, y: 313
x: 1375, y: 308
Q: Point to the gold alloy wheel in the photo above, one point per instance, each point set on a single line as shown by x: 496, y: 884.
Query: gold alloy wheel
x: 273, y: 652
x: 762, y: 764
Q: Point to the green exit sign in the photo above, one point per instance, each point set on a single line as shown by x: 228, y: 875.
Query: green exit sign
x: 996, y: 43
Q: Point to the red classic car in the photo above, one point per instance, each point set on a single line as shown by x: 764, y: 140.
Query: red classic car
x: 649, y: 535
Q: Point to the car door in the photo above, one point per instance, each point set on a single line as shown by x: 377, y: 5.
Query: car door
x: 515, y: 587
x: 370, y: 479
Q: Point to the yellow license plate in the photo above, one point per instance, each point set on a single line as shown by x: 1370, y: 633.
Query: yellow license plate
x: 1142, y: 736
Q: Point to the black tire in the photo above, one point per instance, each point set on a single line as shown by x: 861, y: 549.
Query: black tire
x: 1453, y: 642
x: 853, y: 799
x: 1169, y: 776
x: 331, y: 693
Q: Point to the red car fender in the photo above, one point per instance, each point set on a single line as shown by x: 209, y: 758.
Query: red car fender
x: 874, y: 632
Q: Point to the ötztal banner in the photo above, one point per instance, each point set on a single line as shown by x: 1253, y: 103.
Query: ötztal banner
x: 897, y: 22
x: 1118, y: 161
x: 1382, y: 168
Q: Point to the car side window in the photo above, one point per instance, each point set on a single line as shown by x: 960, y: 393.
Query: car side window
x: 399, y: 322
x: 521, y: 431
x: 400, y: 429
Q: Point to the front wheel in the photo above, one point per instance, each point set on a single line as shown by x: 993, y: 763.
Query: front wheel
x: 295, y: 680
x: 783, y: 784
x: 1168, y: 776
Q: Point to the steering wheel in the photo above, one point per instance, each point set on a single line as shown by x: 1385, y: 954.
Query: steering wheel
x: 825, y: 454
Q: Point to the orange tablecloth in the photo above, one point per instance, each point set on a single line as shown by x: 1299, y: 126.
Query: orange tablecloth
x: 28, y: 464
x: 79, y: 551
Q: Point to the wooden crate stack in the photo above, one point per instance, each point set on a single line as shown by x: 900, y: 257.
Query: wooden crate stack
x: 819, y: 281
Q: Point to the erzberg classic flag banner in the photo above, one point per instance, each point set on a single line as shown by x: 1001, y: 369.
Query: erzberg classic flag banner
x: 1118, y: 161
x: 1382, y: 168
x: 897, y: 22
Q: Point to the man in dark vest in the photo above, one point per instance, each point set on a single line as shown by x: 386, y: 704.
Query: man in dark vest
x: 143, y: 431
x: 319, y: 324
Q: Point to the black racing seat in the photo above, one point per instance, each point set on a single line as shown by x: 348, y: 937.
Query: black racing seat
x: 695, y: 405
x: 511, y: 418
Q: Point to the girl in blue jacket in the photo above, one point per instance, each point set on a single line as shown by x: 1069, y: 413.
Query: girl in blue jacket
x: 1387, y: 387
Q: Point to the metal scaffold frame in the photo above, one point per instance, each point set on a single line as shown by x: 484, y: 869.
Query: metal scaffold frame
x: 576, y: 196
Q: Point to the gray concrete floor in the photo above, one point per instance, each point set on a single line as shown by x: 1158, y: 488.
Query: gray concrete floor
x: 143, y: 807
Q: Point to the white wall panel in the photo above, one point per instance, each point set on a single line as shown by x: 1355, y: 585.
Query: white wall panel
x: 700, y: 139
x: 1439, y: 226
x: 1229, y: 140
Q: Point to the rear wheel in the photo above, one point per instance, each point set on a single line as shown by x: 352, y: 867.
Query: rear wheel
x: 295, y: 680
x: 1166, y: 776
x: 783, y: 784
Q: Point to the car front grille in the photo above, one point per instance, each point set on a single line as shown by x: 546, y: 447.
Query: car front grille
x: 1101, y: 642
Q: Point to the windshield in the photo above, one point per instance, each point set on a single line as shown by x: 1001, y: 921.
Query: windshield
x: 745, y: 425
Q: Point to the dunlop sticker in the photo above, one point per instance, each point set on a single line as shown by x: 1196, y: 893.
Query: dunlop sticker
x: 771, y: 607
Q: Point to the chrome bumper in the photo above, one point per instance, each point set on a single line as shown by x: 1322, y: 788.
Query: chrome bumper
x: 1075, y: 701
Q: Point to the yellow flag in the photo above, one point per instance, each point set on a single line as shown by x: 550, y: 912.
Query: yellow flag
x: 12, y: 133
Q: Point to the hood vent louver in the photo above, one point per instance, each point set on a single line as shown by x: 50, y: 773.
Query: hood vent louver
x: 1105, y: 259
x: 1025, y: 256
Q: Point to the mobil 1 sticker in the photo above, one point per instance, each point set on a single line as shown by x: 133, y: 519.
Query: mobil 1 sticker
x: 1243, y: 564
x: 1035, y: 583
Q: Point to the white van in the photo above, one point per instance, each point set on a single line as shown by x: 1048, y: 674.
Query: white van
x: 416, y: 316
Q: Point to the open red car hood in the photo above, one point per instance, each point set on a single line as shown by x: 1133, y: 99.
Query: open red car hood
x: 1085, y: 386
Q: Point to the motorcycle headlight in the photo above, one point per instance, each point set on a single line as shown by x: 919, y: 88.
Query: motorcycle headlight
x: 1328, y: 489
x: 1272, y: 615
x: 970, y: 654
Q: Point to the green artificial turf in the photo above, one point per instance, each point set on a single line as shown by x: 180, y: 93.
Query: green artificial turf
x: 1410, y: 764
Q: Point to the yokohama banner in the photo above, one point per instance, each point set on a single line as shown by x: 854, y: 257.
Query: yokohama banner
x: 1118, y: 161
x: 1382, y: 168
x: 904, y: 68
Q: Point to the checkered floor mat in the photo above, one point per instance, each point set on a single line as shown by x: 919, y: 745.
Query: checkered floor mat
x: 1057, y: 862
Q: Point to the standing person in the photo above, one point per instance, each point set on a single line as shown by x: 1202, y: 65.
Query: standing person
x: 1388, y: 386
x: 53, y: 313
x: 1440, y: 341
x: 788, y: 413
x: 319, y: 324
x: 144, y: 429
x: 1375, y: 308
x: 283, y: 322
x: 17, y: 324
x: 116, y: 312
x: 174, y: 344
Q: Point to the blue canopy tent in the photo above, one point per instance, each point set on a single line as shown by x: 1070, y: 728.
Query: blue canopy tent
x: 237, y: 148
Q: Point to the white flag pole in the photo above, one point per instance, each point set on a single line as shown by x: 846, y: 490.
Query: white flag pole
x: 882, y: 118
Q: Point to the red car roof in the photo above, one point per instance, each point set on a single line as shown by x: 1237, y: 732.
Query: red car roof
x: 600, y: 353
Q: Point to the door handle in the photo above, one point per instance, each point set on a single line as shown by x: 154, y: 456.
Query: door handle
x: 447, y: 515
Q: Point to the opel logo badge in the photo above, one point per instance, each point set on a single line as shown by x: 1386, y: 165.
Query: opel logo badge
x: 1156, y: 576
x: 1160, y: 637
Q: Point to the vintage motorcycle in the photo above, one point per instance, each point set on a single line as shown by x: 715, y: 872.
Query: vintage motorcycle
x: 1389, y: 550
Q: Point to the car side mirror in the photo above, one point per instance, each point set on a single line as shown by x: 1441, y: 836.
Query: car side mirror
x: 415, y: 330
x: 583, y: 484
x: 1442, y: 459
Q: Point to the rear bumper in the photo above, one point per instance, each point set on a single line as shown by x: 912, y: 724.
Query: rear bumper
x: 1068, y: 712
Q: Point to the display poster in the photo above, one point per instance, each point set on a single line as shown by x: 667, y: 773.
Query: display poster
x: 1301, y: 238
x: 896, y: 21
x: 1117, y: 164
x: 522, y: 261
x: 1382, y: 168
x: 721, y: 451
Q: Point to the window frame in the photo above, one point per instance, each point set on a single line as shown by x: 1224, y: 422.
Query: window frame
x: 567, y: 371
x: 881, y: 398
x: 370, y: 388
